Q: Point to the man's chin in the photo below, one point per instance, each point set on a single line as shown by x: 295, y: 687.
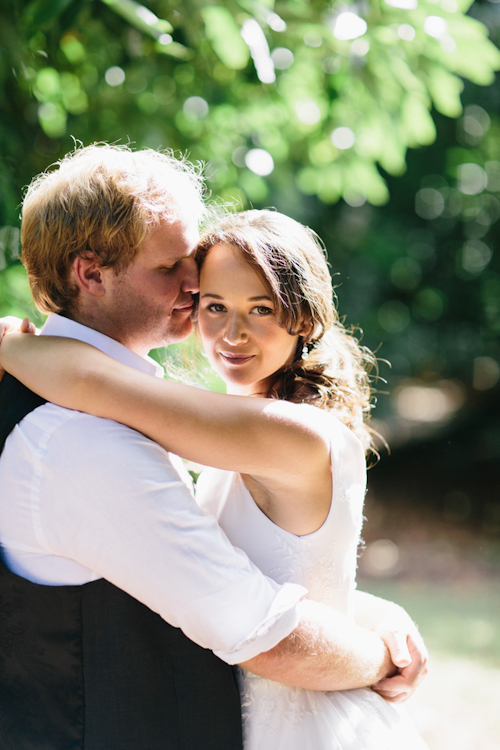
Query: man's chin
x: 175, y: 334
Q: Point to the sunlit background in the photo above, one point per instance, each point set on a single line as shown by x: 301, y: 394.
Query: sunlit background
x: 377, y: 124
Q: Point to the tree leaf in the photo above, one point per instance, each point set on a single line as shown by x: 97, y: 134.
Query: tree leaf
x: 224, y: 34
x: 416, y: 122
x: 140, y: 17
x: 445, y: 89
x: 40, y: 13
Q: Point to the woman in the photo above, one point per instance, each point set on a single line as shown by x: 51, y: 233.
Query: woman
x: 289, y: 477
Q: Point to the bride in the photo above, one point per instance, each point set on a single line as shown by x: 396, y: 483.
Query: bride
x: 289, y: 474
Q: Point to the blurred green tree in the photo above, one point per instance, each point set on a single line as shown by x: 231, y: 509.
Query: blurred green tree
x: 304, y: 94
x: 311, y: 107
x: 289, y: 98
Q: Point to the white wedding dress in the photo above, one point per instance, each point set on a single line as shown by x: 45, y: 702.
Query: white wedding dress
x: 277, y: 717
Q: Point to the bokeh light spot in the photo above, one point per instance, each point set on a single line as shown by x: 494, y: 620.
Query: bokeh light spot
x: 282, y: 58
x: 475, y: 256
x: 348, y: 26
x: 195, y: 108
x: 308, y: 111
x: 355, y: 196
x: 435, y: 26
x: 430, y: 403
x: 360, y: 47
x: 393, y: 316
x: 406, y: 32
x: 382, y: 557
x: 114, y: 76
x: 343, y: 138
x: 472, y: 179
x: 429, y: 203
x: 259, y: 161
x: 486, y: 373
x: 428, y: 305
x: 403, y: 4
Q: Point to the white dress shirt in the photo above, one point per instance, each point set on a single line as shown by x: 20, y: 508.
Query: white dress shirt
x: 84, y: 498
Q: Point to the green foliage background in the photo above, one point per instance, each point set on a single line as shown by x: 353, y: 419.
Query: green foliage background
x: 387, y: 143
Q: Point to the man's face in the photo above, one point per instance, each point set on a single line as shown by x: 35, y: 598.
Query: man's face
x: 149, y: 304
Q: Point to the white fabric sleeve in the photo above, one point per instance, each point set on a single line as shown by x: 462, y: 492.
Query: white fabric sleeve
x: 126, y: 515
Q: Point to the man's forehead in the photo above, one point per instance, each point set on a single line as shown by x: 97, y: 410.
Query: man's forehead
x: 185, y: 224
x: 193, y: 233
x: 178, y: 237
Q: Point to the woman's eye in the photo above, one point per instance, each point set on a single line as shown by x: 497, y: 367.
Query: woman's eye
x: 262, y: 310
x: 216, y: 307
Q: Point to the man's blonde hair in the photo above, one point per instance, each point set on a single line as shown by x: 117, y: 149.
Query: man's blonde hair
x: 101, y: 201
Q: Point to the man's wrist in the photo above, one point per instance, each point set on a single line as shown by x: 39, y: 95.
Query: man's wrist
x: 327, y: 651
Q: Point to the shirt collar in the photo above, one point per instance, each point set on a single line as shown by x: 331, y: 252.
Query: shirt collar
x: 57, y: 325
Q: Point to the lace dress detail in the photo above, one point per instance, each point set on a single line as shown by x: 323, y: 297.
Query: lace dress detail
x: 275, y: 716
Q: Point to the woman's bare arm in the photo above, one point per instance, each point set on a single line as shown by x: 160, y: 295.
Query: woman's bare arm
x: 261, y: 437
x: 335, y: 655
x: 8, y: 324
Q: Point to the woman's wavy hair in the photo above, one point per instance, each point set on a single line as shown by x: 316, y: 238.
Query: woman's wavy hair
x: 330, y: 369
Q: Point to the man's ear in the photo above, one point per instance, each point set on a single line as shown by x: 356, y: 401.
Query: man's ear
x: 88, y: 276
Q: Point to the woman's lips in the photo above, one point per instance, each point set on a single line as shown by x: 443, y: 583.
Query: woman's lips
x: 236, y: 359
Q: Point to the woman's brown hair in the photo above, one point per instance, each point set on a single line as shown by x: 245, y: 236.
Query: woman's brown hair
x: 330, y: 368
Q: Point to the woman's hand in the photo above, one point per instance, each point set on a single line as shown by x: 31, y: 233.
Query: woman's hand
x: 9, y: 324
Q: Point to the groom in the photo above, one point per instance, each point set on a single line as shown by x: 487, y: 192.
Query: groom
x: 122, y: 606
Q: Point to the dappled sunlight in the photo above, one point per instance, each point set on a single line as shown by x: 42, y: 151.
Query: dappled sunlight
x: 421, y: 402
x: 381, y: 558
x: 456, y: 708
x: 445, y: 574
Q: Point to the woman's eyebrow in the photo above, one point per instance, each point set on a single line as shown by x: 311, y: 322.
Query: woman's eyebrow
x: 250, y: 299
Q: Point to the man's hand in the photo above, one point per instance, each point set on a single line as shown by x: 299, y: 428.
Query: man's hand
x: 406, y: 646
x: 9, y: 324
x: 326, y: 651
x: 398, y: 688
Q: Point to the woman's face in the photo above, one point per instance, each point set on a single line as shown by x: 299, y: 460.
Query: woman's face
x: 237, y: 323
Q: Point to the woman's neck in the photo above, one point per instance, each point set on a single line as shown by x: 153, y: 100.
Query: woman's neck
x: 257, y: 390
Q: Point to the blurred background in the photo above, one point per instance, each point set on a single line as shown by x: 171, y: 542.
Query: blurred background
x: 377, y: 123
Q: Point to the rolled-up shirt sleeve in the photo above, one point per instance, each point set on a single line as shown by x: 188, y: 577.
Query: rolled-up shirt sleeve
x: 126, y: 515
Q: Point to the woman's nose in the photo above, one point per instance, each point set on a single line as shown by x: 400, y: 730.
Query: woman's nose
x: 235, y: 331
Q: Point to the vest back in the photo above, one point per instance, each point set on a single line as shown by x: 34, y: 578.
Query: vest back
x: 91, y: 668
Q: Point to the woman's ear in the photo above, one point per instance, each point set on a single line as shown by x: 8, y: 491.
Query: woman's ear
x: 305, y: 330
x: 88, y: 276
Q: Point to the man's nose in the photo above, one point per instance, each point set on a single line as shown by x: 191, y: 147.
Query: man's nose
x: 190, y: 281
x: 235, y: 331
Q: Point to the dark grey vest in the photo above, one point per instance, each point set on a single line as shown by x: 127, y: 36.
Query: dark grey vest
x: 90, y: 668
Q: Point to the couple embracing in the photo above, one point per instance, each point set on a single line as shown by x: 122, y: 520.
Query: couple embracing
x: 125, y: 605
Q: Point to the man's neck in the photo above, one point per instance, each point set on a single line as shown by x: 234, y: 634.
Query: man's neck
x: 62, y: 325
x: 106, y: 328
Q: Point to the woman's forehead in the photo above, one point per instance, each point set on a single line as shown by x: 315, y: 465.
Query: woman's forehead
x: 225, y: 266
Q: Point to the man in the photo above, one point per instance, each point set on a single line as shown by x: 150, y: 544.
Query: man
x: 103, y: 542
